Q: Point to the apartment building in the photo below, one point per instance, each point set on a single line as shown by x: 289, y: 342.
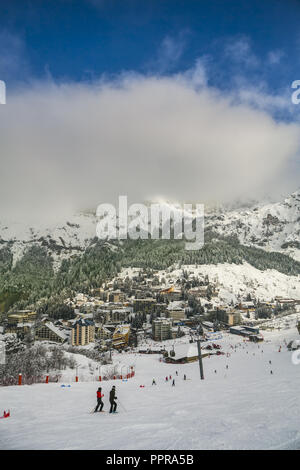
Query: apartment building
x: 161, y: 329
x: 121, y: 336
x: 49, y: 332
x: 83, y: 332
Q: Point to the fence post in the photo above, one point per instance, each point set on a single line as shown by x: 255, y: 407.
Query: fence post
x: 114, y: 377
x: 100, y: 378
x: 20, y: 379
x: 76, y: 378
x: 47, y: 379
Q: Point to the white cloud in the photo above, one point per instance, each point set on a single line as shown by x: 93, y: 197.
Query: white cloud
x: 240, y: 51
x: 264, y: 100
x: 169, y: 52
x: 72, y: 146
x: 274, y: 57
x: 14, y: 65
x: 197, y: 75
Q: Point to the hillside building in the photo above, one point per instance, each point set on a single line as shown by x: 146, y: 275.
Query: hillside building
x: 83, y: 332
x: 161, y: 329
x: 49, y: 332
x: 121, y: 336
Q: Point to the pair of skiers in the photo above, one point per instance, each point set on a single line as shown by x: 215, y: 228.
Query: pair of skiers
x: 112, y: 400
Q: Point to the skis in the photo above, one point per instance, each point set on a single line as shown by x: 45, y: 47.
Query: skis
x: 102, y: 411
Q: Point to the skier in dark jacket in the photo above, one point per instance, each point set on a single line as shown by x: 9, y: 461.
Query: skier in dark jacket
x: 112, y: 398
x: 99, y: 400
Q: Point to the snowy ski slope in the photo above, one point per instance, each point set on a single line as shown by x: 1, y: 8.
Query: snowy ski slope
x: 242, y: 407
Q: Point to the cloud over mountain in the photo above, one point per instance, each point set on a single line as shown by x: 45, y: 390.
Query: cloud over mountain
x: 70, y: 146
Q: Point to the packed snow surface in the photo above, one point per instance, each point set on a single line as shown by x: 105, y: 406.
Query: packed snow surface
x: 244, y: 406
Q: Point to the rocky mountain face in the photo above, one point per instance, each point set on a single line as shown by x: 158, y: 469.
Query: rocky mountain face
x: 272, y: 227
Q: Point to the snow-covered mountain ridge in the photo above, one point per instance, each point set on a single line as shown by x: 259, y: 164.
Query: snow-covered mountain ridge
x: 273, y: 227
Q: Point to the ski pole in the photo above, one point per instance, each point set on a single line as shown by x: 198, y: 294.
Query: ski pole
x: 122, y: 406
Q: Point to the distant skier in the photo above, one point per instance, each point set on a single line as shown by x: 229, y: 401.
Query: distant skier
x: 173, y: 383
x: 112, y: 398
x: 184, y: 377
x: 99, y: 400
x: 153, y: 382
x: 170, y: 377
x: 166, y: 379
x: 176, y: 373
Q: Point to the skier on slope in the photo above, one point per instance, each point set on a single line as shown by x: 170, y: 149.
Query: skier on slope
x: 173, y: 383
x: 99, y: 400
x: 112, y: 398
x: 153, y: 382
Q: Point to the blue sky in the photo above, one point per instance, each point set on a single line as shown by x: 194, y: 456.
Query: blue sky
x: 82, y: 39
x: 186, y: 100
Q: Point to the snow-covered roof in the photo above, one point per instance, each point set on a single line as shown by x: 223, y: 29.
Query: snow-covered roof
x: 83, y: 322
x: 117, y: 343
x: 122, y: 329
x: 56, y: 330
x: 176, y: 305
x: 21, y: 324
x: 185, y: 350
